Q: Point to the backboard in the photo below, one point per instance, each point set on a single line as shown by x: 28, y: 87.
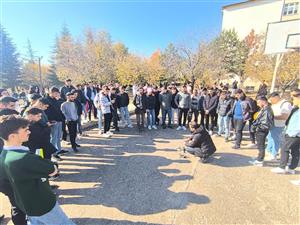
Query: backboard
x: 282, y: 36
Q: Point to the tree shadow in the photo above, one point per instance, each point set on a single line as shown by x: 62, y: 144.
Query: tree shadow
x: 93, y: 221
x: 134, y: 184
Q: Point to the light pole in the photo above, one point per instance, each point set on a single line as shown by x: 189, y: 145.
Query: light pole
x: 40, y: 73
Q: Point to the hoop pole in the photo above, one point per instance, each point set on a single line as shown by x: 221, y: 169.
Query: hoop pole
x: 279, y: 58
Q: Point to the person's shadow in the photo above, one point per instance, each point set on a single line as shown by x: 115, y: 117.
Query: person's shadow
x: 140, y: 189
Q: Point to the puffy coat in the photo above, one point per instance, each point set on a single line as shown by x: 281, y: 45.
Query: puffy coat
x: 202, y: 140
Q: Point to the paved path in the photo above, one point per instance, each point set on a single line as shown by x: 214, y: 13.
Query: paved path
x: 141, y: 180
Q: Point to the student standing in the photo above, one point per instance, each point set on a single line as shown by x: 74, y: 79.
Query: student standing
x: 261, y: 126
x: 69, y: 110
x: 183, y: 101
x: 140, y: 103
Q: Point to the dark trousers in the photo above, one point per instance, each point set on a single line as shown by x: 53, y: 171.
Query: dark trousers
x: 182, y: 113
x: 164, y: 113
x: 64, y: 131
x: 92, y: 108
x: 107, y: 121
x: 290, y: 145
x: 17, y: 216
x: 79, y: 126
x: 157, y: 109
x: 202, y: 117
x: 252, y: 134
x: 115, y: 118
x: 211, y: 121
x: 239, y: 125
x: 72, y: 127
x: 261, y: 140
x: 140, y: 120
x: 194, y: 112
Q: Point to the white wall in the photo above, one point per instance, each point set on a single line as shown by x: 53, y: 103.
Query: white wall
x: 252, y: 15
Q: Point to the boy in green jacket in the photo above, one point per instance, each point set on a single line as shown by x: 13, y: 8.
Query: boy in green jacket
x: 27, y: 174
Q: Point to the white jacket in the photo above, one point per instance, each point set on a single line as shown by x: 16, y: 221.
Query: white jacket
x: 105, y: 104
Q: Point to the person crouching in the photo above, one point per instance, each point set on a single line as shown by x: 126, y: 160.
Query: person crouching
x: 200, y: 143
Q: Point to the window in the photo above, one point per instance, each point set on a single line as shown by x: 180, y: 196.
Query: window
x: 291, y: 8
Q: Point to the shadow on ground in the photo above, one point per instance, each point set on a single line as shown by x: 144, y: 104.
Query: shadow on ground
x: 134, y: 184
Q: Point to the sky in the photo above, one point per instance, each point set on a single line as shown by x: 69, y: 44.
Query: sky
x: 143, y: 26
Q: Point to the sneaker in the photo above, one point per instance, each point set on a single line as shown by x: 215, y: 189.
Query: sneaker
x: 183, y: 128
x: 272, y: 158
x: 256, y: 163
x: 53, y: 177
x: 75, y: 149
x: 154, y: 127
x: 226, y: 140
x: 105, y: 135
x: 251, y: 145
x: 77, y: 145
x: 289, y: 171
x: 130, y: 126
x: 236, y: 147
x: 296, y: 182
x: 210, y: 132
x: 170, y: 126
x: 149, y: 128
x: 164, y: 126
x: 100, y: 132
x: 278, y: 170
x: 179, y: 128
x: 109, y: 132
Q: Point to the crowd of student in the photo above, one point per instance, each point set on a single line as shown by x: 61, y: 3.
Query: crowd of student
x: 49, y: 118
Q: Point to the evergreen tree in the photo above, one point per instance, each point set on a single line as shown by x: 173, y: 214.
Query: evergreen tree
x: 9, y: 61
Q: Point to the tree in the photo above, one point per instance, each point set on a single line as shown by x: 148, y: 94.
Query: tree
x: 234, y: 52
x: 9, y: 61
x: 171, y: 62
x: 131, y: 70
x: 155, y: 71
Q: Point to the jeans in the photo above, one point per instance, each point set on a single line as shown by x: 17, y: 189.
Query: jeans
x: 140, y: 120
x: 150, y: 117
x: 211, y: 121
x: 125, y: 117
x: 56, y: 134
x: 239, y: 125
x: 166, y: 112
x: 107, y: 121
x: 84, y: 110
x: 72, y: 127
x: 290, y: 144
x: 261, y: 141
x: 274, y: 137
x: 173, y: 115
x: 64, y: 131
x: 223, y: 125
x: 55, y: 216
x: 99, y: 114
x: 184, y: 113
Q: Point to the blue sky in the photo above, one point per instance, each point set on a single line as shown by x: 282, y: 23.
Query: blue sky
x: 143, y: 26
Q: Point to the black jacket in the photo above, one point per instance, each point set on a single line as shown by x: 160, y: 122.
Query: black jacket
x: 124, y: 100
x: 264, y: 121
x: 78, y: 106
x: 138, y: 108
x: 201, y: 139
x: 173, y: 104
x: 210, y: 103
x: 81, y: 96
x: 40, y: 138
x: 150, y: 101
x: 64, y: 90
x: 117, y: 99
x: 53, y: 112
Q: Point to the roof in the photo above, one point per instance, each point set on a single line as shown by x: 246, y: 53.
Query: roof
x: 239, y: 3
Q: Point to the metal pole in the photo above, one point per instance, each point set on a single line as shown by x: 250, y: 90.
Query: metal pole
x: 278, y: 61
x: 40, y: 74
